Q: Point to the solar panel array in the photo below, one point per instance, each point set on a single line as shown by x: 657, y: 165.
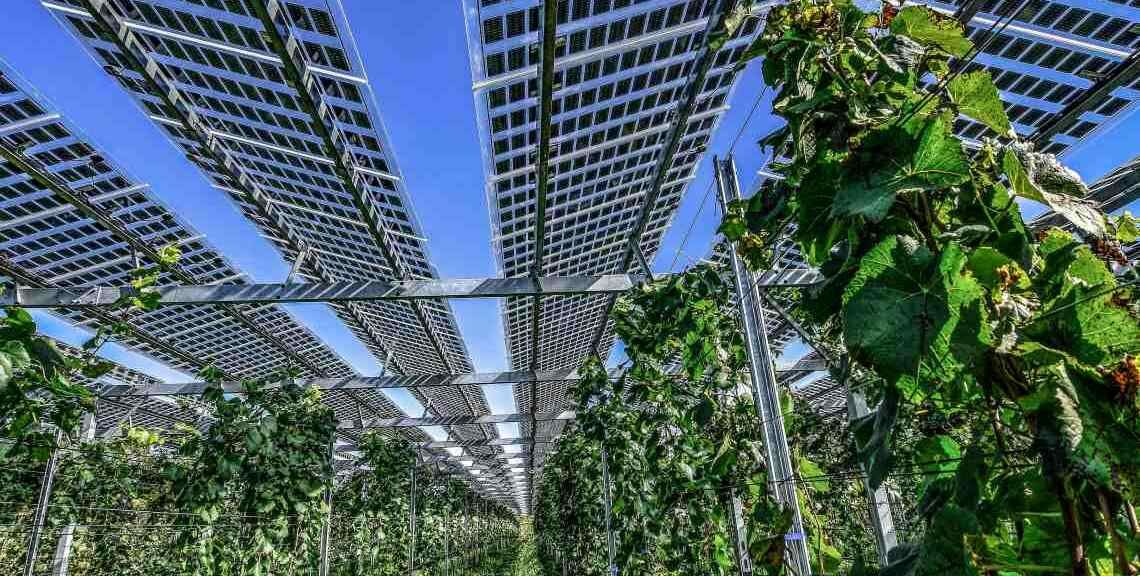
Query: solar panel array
x: 49, y: 241
x: 282, y: 119
x: 271, y: 101
x: 622, y: 69
x: 1048, y: 56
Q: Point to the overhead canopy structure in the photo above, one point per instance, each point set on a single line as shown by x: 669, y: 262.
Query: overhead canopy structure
x: 270, y: 100
x: 592, y: 116
x: 592, y: 119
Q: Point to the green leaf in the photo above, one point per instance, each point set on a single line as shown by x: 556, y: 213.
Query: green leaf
x: 1078, y: 313
x: 944, y: 550
x: 908, y: 313
x: 893, y: 161
x: 16, y: 324
x: 816, y: 230
x: 976, y: 96
x: 930, y: 28
x: 1126, y: 227
x: 937, y: 454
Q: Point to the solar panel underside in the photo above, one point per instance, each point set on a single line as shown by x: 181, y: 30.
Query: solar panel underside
x: 622, y: 70
x: 283, y: 120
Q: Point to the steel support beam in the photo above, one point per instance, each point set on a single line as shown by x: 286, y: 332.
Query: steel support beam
x: 765, y: 394
x: 443, y: 444
x: 880, y: 510
x: 611, y: 551
x: 412, y: 525
x: 326, y: 526
x: 549, y: 37
x: 458, y: 420
x: 334, y: 292
x: 355, y: 383
x: 886, y: 539
x: 62, y: 560
x: 739, y: 532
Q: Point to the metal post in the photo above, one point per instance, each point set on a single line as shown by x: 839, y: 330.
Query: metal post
x: 446, y: 541
x: 326, y: 528
x: 412, y: 525
x: 739, y: 532
x: 881, y: 519
x: 62, y: 559
x: 41, y: 506
x: 765, y: 393
x: 606, y: 505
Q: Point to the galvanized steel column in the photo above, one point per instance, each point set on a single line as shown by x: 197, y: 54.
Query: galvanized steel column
x: 765, y: 393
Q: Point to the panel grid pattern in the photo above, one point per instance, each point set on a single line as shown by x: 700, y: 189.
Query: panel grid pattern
x: 47, y: 238
x: 295, y: 143
x: 215, y: 58
x: 622, y: 69
x: 1049, y: 56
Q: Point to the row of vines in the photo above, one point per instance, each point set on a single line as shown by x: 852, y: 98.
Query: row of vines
x: 245, y: 491
x: 1000, y: 360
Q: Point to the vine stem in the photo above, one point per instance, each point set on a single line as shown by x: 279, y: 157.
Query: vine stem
x: 1130, y: 511
x: 1118, y: 549
x: 1053, y: 466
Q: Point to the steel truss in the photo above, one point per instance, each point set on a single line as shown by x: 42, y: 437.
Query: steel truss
x: 613, y: 284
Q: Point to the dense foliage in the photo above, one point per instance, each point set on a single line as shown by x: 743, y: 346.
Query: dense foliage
x: 936, y: 286
x: 41, y: 395
x: 456, y: 530
x: 681, y: 442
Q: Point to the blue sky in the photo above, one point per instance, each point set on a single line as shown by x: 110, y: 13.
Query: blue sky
x: 416, y: 57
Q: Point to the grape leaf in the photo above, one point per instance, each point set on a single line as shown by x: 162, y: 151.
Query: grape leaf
x: 1127, y: 229
x: 1078, y: 313
x: 1041, y: 178
x: 894, y: 161
x: 910, y: 313
x: 929, y: 28
x: 815, y: 230
x: 976, y: 96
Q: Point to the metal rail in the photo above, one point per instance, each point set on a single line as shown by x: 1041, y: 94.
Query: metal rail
x: 542, y: 185
x: 353, y: 383
x: 459, y: 420
x: 270, y: 293
x: 28, y: 277
x: 765, y: 394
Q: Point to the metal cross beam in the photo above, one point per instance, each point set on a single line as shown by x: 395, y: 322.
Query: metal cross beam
x: 441, y: 444
x: 461, y: 420
x: 106, y: 296
x: 354, y: 383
